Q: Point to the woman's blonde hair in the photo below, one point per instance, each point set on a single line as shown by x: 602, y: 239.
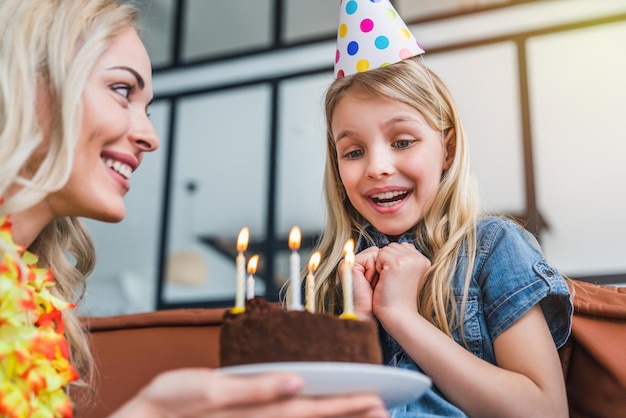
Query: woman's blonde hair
x: 450, y: 223
x: 47, y: 51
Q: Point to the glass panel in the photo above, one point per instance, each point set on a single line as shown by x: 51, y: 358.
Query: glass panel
x: 301, y: 153
x: 127, y: 253
x: 578, y: 92
x: 214, y: 28
x: 157, y: 25
x: 306, y: 19
x: 301, y: 156
x: 222, y: 149
x: 483, y: 82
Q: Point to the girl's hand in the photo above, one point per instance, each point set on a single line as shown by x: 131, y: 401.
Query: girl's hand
x: 401, y: 269
x: 188, y: 393
x: 364, y: 278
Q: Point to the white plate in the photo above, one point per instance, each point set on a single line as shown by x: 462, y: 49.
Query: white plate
x: 395, y: 386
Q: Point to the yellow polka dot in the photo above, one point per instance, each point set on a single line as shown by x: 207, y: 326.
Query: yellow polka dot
x: 362, y: 65
x: 343, y: 30
x: 404, y: 33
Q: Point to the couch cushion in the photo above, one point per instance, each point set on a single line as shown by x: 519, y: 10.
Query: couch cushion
x: 594, y: 358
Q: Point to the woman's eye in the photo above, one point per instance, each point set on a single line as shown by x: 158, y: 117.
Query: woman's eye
x: 403, y: 143
x: 123, y: 89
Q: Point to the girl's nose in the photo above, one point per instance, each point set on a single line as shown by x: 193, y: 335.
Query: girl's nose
x: 380, y: 164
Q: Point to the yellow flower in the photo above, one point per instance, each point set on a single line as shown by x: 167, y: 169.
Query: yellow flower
x: 34, y: 355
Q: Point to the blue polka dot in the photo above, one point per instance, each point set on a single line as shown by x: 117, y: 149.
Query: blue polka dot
x: 381, y: 42
x: 353, y: 48
x: 375, y: 1
x: 351, y: 7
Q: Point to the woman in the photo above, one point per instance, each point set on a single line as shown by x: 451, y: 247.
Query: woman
x: 75, y: 87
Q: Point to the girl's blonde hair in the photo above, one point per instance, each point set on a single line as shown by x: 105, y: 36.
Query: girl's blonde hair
x: 448, y: 226
x: 47, y: 51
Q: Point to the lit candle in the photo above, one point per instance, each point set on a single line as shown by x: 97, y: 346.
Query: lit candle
x: 242, y: 245
x: 314, y: 261
x: 294, y: 269
x: 346, y: 282
x: 252, y: 264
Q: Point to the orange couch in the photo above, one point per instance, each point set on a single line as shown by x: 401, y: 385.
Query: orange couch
x: 594, y: 357
x: 132, y: 349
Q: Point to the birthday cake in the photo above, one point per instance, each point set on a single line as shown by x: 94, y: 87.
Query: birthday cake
x: 265, y: 333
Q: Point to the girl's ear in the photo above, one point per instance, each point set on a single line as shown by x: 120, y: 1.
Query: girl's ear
x: 449, y: 148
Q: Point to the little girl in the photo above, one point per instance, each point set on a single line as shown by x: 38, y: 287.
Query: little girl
x: 467, y: 299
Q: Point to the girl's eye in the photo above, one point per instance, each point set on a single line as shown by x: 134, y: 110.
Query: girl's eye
x: 123, y: 89
x: 403, y: 143
x: 352, y: 155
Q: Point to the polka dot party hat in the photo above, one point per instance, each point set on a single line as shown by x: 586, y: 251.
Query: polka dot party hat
x: 371, y: 35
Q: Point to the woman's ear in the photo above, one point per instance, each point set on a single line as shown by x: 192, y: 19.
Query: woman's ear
x: 449, y: 149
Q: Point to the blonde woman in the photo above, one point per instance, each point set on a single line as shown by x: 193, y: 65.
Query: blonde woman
x: 467, y: 299
x: 75, y: 88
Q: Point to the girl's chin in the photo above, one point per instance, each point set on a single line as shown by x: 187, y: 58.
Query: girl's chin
x: 393, y: 233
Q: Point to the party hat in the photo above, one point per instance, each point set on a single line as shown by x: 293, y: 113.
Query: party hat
x: 371, y: 34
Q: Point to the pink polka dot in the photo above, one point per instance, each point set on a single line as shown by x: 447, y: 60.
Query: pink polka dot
x: 405, y: 53
x: 337, y: 56
x: 367, y: 25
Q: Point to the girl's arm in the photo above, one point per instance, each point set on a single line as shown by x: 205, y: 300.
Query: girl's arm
x: 528, y: 380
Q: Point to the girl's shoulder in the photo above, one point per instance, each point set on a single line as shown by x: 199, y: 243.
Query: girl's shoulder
x: 493, y: 229
x: 491, y: 222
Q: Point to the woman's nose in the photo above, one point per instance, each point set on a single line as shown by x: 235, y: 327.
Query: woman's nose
x: 143, y: 134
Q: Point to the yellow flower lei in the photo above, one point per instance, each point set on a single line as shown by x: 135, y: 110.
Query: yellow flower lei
x: 34, y: 355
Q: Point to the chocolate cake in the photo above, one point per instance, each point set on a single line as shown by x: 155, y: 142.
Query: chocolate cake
x: 265, y: 333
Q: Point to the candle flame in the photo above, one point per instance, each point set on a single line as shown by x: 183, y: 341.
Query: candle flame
x: 348, y: 251
x: 349, y: 258
x: 252, y: 264
x: 314, y: 261
x: 348, y: 247
x: 242, y: 239
x: 294, y: 238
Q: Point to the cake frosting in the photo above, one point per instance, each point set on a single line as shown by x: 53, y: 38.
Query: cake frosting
x: 265, y: 333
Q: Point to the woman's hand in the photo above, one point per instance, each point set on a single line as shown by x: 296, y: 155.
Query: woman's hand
x: 188, y: 393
